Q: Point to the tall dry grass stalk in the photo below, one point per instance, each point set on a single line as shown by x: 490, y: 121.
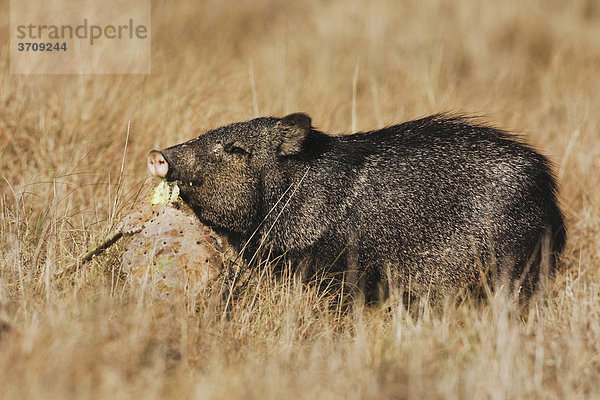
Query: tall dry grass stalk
x: 527, y: 66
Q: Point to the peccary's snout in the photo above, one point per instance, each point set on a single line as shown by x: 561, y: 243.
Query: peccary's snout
x: 157, y: 165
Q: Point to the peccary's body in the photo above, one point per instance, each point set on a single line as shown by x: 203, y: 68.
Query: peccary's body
x: 428, y: 203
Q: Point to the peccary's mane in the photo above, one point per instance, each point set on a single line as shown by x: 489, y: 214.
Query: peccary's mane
x: 450, y: 126
x: 314, y: 146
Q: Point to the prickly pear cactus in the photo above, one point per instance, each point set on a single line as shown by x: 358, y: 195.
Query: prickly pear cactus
x: 170, y: 250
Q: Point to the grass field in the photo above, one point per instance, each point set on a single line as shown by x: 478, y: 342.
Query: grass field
x: 532, y: 67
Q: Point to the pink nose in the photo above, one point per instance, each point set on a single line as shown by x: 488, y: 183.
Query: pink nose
x: 157, y: 165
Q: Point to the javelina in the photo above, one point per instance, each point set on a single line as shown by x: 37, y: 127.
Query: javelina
x: 424, y: 203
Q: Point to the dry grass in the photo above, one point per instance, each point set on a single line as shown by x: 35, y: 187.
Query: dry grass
x: 528, y: 66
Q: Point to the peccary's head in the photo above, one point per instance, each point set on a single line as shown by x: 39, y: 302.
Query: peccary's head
x: 220, y: 173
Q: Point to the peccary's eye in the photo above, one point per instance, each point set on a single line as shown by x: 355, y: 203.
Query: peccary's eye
x: 233, y: 149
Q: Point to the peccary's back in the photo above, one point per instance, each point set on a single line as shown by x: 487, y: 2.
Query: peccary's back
x: 439, y: 197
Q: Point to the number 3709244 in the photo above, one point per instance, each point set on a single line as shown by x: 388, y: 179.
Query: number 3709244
x: 49, y: 46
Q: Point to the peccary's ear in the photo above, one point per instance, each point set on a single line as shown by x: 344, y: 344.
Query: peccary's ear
x: 294, y: 128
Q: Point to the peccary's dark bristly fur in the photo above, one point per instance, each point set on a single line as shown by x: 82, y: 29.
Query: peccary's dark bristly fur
x: 427, y: 203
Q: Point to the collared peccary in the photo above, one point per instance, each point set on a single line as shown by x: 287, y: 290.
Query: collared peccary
x: 429, y: 203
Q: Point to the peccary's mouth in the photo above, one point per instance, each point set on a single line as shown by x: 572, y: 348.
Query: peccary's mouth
x: 182, y: 193
x: 180, y: 177
x: 187, y: 188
